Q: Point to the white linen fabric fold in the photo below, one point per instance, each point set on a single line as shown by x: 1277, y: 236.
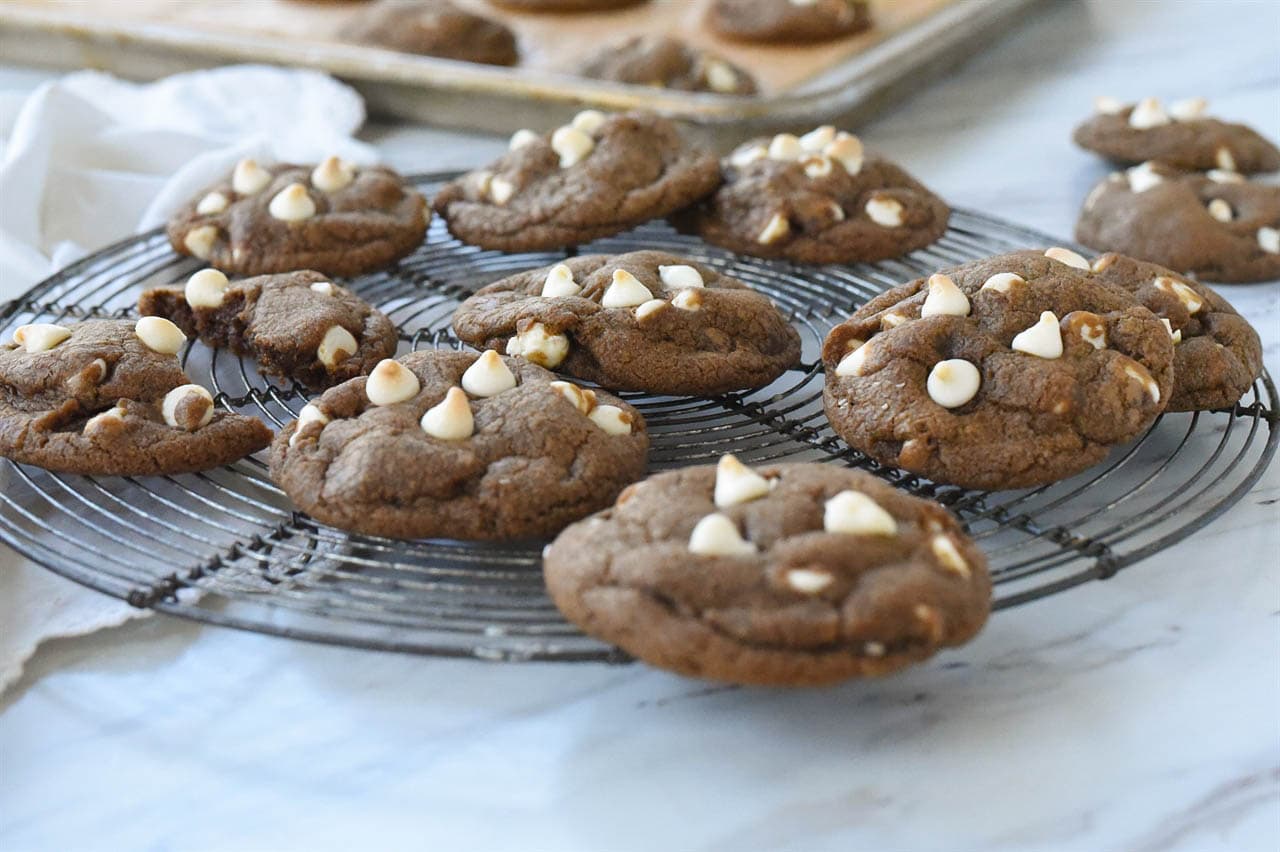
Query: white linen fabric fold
x: 89, y: 159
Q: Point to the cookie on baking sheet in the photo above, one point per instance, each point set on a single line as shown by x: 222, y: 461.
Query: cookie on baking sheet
x: 566, y: 5
x: 789, y: 574
x: 1217, y: 355
x: 1218, y: 225
x: 337, y: 217
x: 434, y: 28
x: 109, y: 398
x: 1008, y: 372
x: 646, y: 321
x: 597, y: 176
x: 788, y: 21
x: 1180, y: 136
x: 667, y: 63
x: 297, y: 325
x: 457, y: 445
x: 817, y: 199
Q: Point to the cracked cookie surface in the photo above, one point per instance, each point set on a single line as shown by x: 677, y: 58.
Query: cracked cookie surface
x: 434, y: 28
x: 523, y: 461
x: 1217, y: 354
x: 1009, y: 372
x: 595, y: 177
x: 675, y: 327
x: 821, y: 573
x: 94, y: 398
x: 337, y: 218
x: 816, y: 199
x: 1217, y: 226
x: 787, y: 21
x: 297, y: 325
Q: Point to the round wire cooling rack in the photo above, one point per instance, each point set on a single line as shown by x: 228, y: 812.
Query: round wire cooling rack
x: 226, y: 547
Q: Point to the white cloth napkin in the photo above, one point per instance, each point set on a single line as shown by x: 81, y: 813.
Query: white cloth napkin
x: 89, y: 159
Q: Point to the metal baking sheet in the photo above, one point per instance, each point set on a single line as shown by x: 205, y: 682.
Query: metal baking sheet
x: 844, y: 81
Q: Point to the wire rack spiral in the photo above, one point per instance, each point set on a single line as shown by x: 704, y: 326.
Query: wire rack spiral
x: 226, y: 547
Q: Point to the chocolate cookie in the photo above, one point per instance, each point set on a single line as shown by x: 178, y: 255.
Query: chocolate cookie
x: 817, y: 199
x: 788, y: 21
x: 1217, y: 355
x: 566, y: 5
x: 457, y: 445
x: 109, y: 398
x: 1008, y: 372
x: 646, y: 321
x: 1218, y: 225
x: 788, y: 575
x: 434, y: 28
x: 1181, y: 137
x: 597, y: 176
x: 338, y: 218
x: 667, y: 63
x: 298, y: 325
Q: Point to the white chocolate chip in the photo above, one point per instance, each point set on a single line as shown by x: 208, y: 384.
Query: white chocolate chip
x: 808, y: 581
x: 488, y: 376
x: 589, y: 120
x: 1043, y: 340
x: 1068, y: 257
x: 884, y: 211
x: 106, y: 421
x: 324, y: 288
x: 716, y: 535
x: 1136, y: 371
x: 40, y: 337
x: 501, y: 190
x: 688, y: 300
x: 333, y: 174
x: 1224, y: 176
x: 816, y: 140
x: 785, y: 147
x: 1225, y: 160
x: 872, y: 649
x: 847, y: 151
x: 451, y: 418
x: 612, y: 419
x: 160, y: 335
x: 650, y: 308
x: 817, y: 166
x: 1091, y: 199
x: 309, y: 414
x: 583, y: 400
x: 953, y: 382
x: 837, y: 212
x: 944, y: 299
x: 560, y: 282
x: 521, y: 138
x: 679, y: 276
x: 1188, y: 109
x: 1219, y: 209
x: 1147, y: 114
x: 1174, y: 334
x: 187, y: 407
x: 572, y: 145
x: 892, y: 319
x: 199, y: 241
x: 720, y: 76
x: 1269, y: 240
x: 391, y: 382
x: 776, y: 229
x: 1104, y: 105
x: 1189, y: 298
x: 1002, y: 282
x: 249, y: 178
x: 480, y: 182
x: 214, y: 202
x: 1089, y: 326
x: 748, y: 154
x: 851, y: 364
x: 625, y: 291
x: 292, y: 204
x: 736, y: 483
x: 1142, y: 177
x: 855, y: 513
x: 206, y: 289
x: 537, y: 346
x: 948, y: 555
x: 336, y: 346
x: 1100, y: 264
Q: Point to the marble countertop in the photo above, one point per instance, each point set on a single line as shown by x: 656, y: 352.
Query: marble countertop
x: 1141, y: 713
